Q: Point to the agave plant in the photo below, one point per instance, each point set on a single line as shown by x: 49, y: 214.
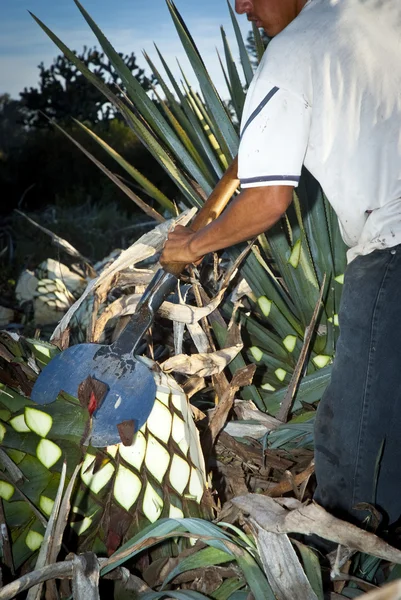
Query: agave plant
x: 194, y: 138
x: 121, y: 488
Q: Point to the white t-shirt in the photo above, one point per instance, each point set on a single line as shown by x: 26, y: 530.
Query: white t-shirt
x: 328, y: 95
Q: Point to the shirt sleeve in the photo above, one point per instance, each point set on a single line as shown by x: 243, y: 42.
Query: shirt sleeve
x: 274, y: 137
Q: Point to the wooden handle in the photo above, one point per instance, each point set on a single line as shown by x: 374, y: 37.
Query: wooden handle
x: 212, y: 208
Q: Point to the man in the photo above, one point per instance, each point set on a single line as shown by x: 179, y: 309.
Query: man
x: 328, y: 95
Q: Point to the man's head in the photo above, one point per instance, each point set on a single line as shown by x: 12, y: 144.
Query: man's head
x: 272, y: 15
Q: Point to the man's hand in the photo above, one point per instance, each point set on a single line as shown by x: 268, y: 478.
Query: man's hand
x: 178, y: 248
x: 252, y: 212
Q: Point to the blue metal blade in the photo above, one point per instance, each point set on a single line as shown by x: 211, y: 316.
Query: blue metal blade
x: 132, y: 388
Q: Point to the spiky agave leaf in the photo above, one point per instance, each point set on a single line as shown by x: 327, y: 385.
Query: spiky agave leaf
x: 120, y: 489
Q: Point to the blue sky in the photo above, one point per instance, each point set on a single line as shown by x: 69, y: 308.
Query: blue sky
x: 131, y: 25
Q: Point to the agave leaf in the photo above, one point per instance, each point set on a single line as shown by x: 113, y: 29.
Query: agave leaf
x: 228, y: 589
x: 226, y: 79
x: 312, y: 568
x: 44, y: 553
x: 245, y: 60
x: 205, y: 122
x: 196, y: 127
x: 255, y: 578
x: 223, y: 128
x: 310, y: 389
x: 260, y: 47
x: 148, y: 186
x: 144, y: 104
x: 203, y: 558
x: 189, y: 125
x: 237, y: 92
x: 182, y: 134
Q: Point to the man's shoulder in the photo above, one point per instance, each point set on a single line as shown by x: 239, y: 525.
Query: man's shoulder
x: 307, y: 31
x: 291, y: 54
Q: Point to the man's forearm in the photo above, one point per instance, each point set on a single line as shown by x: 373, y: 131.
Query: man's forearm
x: 253, y: 212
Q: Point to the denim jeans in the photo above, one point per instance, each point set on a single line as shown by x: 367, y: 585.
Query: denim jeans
x: 358, y: 422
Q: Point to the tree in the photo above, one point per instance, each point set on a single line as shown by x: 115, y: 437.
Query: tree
x: 12, y: 131
x: 63, y: 92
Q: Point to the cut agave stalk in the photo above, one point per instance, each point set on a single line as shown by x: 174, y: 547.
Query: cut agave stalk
x: 6, y: 490
x: 38, y: 421
x: 290, y: 342
x: 96, y: 481
x: 334, y: 319
x: 340, y: 279
x: 127, y: 487
x: 34, y: 540
x: 295, y: 254
x: 2, y: 432
x: 322, y: 360
x: 256, y: 353
x: 48, y: 453
x: 280, y: 374
x: 18, y: 423
x: 46, y: 505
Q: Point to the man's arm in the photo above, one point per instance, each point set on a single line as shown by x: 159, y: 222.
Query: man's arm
x: 254, y: 211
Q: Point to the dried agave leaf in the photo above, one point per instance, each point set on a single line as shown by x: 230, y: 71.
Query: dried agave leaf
x: 392, y: 591
x: 179, y: 327
x: 148, y: 245
x: 313, y: 519
x: 203, y: 365
x: 282, y: 567
x: 184, y: 313
x: 179, y: 313
x: 57, y: 240
x: 199, y: 337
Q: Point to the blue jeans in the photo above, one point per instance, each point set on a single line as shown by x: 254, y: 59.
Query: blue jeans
x: 358, y: 422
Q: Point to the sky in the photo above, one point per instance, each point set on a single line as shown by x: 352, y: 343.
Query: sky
x: 131, y: 26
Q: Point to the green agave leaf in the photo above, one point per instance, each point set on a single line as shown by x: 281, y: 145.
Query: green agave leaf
x: 182, y: 134
x: 262, y: 284
x: 149, y: 188
x: 237, y: 91
x: 144, y: 104
x: 316, y: 225
x: 260, y: 47
x: 164, y: 528
x: 196, y: 127
x: 255, y: 578
x: 143, y: 132
x: 203, y: 558
x: 220, y: 330
x: 227, y: 589
x: 244, y: 56
x: 181, y: 124
x: 224, y: 130
x: 205, y: 122
x: 310, y: 389
x: 262, y: 337
x: 226, y: 79
x: 312, y: 569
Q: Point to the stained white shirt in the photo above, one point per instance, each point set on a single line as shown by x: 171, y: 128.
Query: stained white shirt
x: 327, y: 94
